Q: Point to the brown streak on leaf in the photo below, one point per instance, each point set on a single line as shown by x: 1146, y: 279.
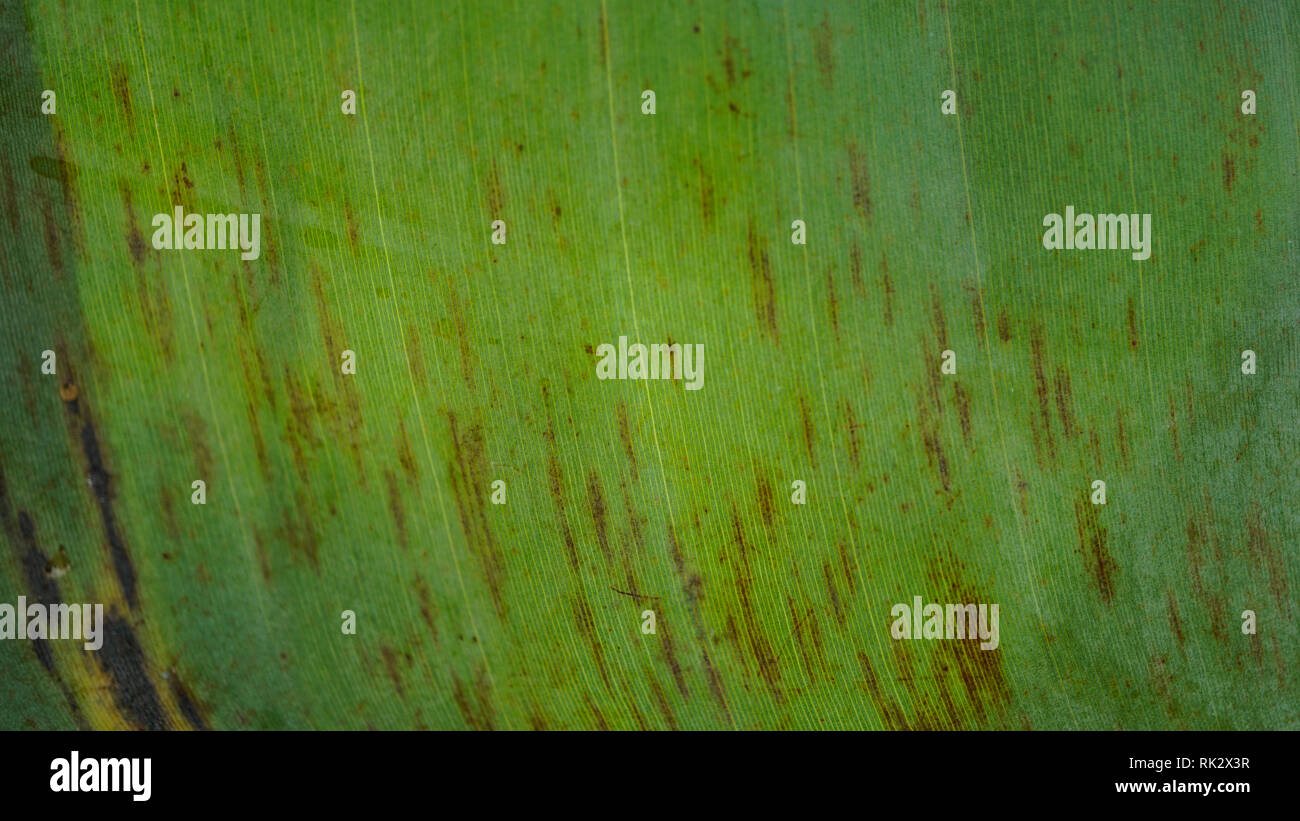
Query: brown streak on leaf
x: 1093, y: 548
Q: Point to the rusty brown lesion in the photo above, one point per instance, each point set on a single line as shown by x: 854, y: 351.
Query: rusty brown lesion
x: 851, y: 431
x: 1131, y: 314
x: 977, y: 311
x: 823, y: 52
x: 122, y: 92
x: 586, y: 624
x: 625, y: 436
x: 1094, y: 548
x: 1064, y: 404
x: 887, y: 287
x: 962, y: 399
x: 596, y: 504
x: 938, y: 319
x: 859, y: 181
x: 855, y: 269
x: 762, y: 285
x: 833, y: 303
x: 1042, y: 389
x: 661, y: 702
x: 766, y: 498
x: 474, y: 703
x: 891, y: 713
x: 470, y: 481
x: 555, y: 483
x: 760, y: 648
x: 809, y: 432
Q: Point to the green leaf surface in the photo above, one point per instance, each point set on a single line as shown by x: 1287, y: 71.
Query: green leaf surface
x: 476, y: 362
